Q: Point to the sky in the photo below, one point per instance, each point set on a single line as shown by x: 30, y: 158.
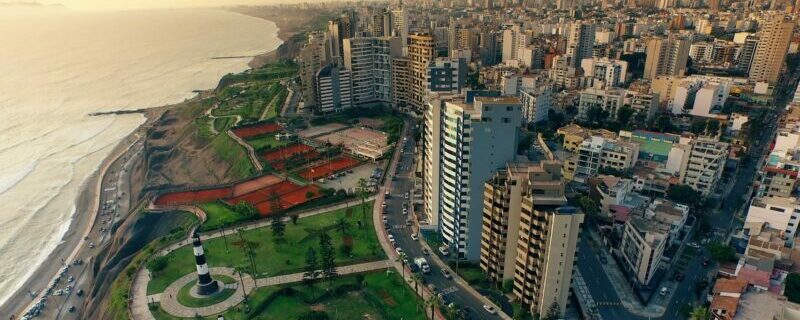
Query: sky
x: 149, y: 4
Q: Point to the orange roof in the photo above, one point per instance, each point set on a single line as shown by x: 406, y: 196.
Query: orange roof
x: 730, y: 285
x: 729, y: 304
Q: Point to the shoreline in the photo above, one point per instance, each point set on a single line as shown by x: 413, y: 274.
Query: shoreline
x: 87, y: 204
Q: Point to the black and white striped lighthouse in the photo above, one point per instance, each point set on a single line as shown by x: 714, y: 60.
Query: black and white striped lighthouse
x: 205, y: 285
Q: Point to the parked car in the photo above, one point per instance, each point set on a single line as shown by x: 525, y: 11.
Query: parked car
x: 489, y: 309
x: 663, y: 292
x: 425, y: 252
x: 399, y: 250
x: 446, y: 274
x: 414, y: 237
x: 443, y: 250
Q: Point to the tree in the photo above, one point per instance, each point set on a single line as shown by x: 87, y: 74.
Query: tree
x: 278, y: 228
x: 588, y: 205
x: 346, y: 249
x: 158, y: 264
x: 596, y: 115
x: 294, y: 218
x: 310, y: 270
x: 417, y: 280
x: 342, y: 225
x: 700, y: 313
x: 684, y: 194
x: 712, y: 128
x: 244, y: 208
x: 721, y: 253
x: 554, y: 312
x: 314, y: 315
x: 433, y: 302
x: 508, y: 286
x: 664, y: 124
x: 402, y: 258
x: 624, y: 115
x: 274, y: 203
x: 362, y: 194
x: 329, y: 271
x: 309, y: 195
x: 792, y: 290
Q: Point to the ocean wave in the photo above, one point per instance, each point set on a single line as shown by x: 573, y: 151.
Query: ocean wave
x: 9, y: 181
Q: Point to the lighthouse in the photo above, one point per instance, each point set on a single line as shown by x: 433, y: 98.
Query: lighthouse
x: 205, y: 285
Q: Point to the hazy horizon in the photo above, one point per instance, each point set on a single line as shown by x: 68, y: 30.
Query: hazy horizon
x: 160, y: 4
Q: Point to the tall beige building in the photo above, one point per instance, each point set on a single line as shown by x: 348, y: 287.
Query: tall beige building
x: 528, y: 236
x: 770, y: 54
x: 666, y: 57
x: 421, y: 51
x: 312, y: 58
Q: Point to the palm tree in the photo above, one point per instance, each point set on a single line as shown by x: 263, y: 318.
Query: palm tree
x: 402, y: 258
x: 362, y: 193
x: 434, y: 302
x: 417, y: 279
x: 342, y: 225
x: 238, y: 270
x: 700, y: 313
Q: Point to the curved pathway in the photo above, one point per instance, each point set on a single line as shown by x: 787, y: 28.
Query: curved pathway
x: 169, y: 299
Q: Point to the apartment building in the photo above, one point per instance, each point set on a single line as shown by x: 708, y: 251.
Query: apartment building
x: 574, y: 135
x: 780, y: 213
x: 580, y: 42
x: 464, y: 143
x: 611, y: 71
x: 642, y: 247
x: 334, y: 89
x: 773, y: 44
x: 666, y: 57
x: 536, y: 103
x: 312, y: 57
x: 502, y: 201
x: 401, y: 82
x: 705, y: 162
x: 369, y: 60
x: 447, y: 75
x: 421, y: 51
x: 598, y: 152
x: 546, y: 256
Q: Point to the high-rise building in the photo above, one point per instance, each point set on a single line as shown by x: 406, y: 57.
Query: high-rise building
x: 703, y: 167
x: 421, y: 51
x: 528, y: 236
x: 580, y: 42
x: 447, y: 75
x: 746, y: 54
x: 334, y: 89
x: 400, y: 24
x: 611, y: 71
x: 666, y: 57
x: 401, y: 82
x: 773, y: 43
x: 513, y: 39
x: 369, y: 60
x: 312, y: 57
x: 464, y: 143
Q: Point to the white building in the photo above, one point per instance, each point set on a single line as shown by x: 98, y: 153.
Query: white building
x: 700, y: 96
x: 464, y: 144
x: 611, y: 71
x: 580, y: 41
x: 334, y: 89
x: 536, y: 103
x: 704, y: 164
x: 369, y: 60
x: 779, y: 213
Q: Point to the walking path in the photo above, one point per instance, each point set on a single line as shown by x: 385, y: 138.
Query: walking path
x: 251, y: 153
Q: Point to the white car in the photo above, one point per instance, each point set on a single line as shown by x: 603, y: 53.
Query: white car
x: 391, y: 238
x: 399, y: 250
x: 414, y: 237
x: 489, y: 309
x: 385, y: 220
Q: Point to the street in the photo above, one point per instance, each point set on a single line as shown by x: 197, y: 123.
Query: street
x: 452, y: 292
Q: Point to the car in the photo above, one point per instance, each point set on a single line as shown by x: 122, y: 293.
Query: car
x: 391, y: 238
x: 405, y: 210
x: 432, y: 288
x: 706, y: 263
x: 408, y: 222
x: 426, y: 252
x: 387, y: 194
x: 386, y: 226
x: 414, y: 237
x: 489, y: 309
x: 385, y: 220
x: 79, y: 293
x: 71, y: 309
x: 443, y: 250
x: 446, y: 274
x: 399, y: 250
x: 91, y: 245
x: 663, y: 292
x: 603, y: 259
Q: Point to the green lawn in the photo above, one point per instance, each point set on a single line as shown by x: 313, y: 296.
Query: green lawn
x: 266, y: 141
x: 383, y: 296
x: 222, y: 124
x: 235, y: 155
x: 275, y: 259
x: 219, y: 215
x: 185, y: 298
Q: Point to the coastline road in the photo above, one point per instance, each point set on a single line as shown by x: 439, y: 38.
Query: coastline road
x: 90, y: 217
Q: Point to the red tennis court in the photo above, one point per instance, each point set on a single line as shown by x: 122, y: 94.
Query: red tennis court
x: 255, y: 184
x: 262, y: 195
x: 188, y: 197
x: 326, y: 169
x: 300, y: 196
x: 257, y: 130
x: 287, y: 152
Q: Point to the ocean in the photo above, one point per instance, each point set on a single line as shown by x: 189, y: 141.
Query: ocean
x: 58, y: 66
